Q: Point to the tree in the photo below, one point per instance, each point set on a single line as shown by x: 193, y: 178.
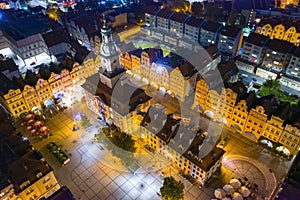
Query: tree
x: 53, y: 11
x: 124, y: 141
x: 197, y: 8
x: 214, y: 13
x: 85, y: 122
x: 181, y: 5
x: 121, y: 145
x: 272, y: 85
x: 172, y: 189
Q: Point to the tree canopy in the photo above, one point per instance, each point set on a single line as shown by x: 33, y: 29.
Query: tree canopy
x: 236, y: 19
x: 172, y: 189
x: 121, y: 145
x: 197, y: 8
x: 274, y: 87
x: 214, y: 13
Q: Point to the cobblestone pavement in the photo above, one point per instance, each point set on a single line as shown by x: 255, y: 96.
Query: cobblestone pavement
x: 242, y: 166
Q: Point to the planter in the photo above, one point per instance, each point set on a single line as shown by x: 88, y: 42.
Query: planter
x: 58, y: 153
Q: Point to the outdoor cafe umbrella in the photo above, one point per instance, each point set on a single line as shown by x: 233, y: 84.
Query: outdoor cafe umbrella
x: 33, y: 131
x: 29, y: 128
x: 286, y: 151
x: 279, y: 148
x: 30, y: 121
x: 235, y: 183
x: 44, y: 129
x: 38, y: 124
x: 219, y: 193
x: 228, y: 189
x: 244, y: 191
x: 29, y: 117
x: 237, y: 196
x: 283, y: 149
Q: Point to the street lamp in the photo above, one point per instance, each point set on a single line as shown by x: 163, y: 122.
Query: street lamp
x: 75, y: 128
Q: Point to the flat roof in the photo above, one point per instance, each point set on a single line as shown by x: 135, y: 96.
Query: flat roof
x: 27, y: 26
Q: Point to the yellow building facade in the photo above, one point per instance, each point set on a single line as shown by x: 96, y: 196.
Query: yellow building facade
x: 265, y: 30
x: 239, y: 116
x: 18, y: 101
x: 43, y: 90
x: 273, y: 128
x: 252, y: 123
x: 285, y: 3
x: 43, y: 187
x: 30, y: 97
x: 255, y: 123
x: 215, y: 105
x: 125, y: 60
x: 15, y: 102
x: 290, y: 138
x: 280, y: 32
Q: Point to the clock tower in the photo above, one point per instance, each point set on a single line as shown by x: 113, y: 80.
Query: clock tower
x: 110, y: 69
x: 108, y: 50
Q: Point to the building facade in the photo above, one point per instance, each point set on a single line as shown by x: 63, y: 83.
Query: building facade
x: 254, y: 48
x: 230, y: 41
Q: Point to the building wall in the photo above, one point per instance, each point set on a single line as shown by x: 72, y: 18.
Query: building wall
x: 162, y: 23
x: 125, y: 61
x: 55, y: 83
x: 176, y: 27
x: 159, y: 75
x: 255, y: 123
x: 293, y: 68
x: 221, y: 105
x: 192, y: 32
x: 230, y: 45
x: 275, y: 60
x: 273, y: 129
x: 239, y: 116
x: 177, y: 159
x: 207, y: 38
x: 43, y: 90
x: 292, y: 83
x: 18, y: 101
x: 15, y: 102
x: 44, y: 186
x: 252, y: 53
x: 119, y: 20
x: 290, y: 139
x: 150, y: 20
x: 178, y: 84
x: 8, y: 193
x: 30, y: 97
x: 265, y: 30
x: 278, y: 32
x: 251, y: 124
x: 245, y: 67
x: 289, y: 34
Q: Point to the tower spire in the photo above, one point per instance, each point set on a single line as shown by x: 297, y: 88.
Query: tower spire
x: 108, y: 50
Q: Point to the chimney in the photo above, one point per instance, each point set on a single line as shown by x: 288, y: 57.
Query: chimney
x: 181, y: 134
x: 24, y: 166
x: 173, y: 128
x: 123, y: 80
